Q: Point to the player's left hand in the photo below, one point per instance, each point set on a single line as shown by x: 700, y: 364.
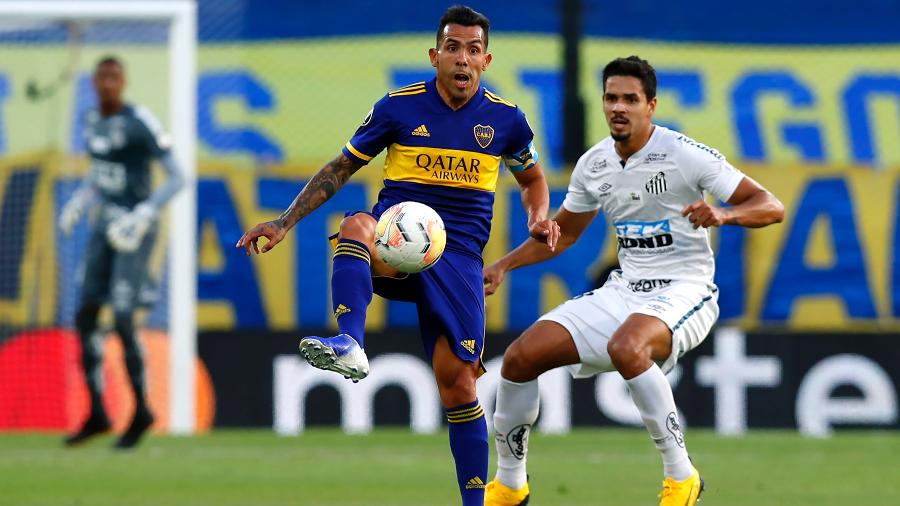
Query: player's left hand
x: 273, y: 230
x: 701, y: 214
x: 546, y: 231
x: 126, y: 232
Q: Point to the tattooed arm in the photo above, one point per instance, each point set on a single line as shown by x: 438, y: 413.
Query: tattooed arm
x: 320, y: 188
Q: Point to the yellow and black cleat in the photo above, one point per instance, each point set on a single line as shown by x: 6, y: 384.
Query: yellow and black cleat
x: 682, y: 493
x: 498, y: 494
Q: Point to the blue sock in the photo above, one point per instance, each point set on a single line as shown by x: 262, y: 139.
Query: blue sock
x: 351, y: 287
x: 469, y: 445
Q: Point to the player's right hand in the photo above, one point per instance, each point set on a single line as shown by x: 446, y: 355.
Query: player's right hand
x: 273, y: 230
x: 493, y: 278
x: 71, y: 215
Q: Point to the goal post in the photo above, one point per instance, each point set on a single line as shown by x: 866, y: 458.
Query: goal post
x: 181, y: 17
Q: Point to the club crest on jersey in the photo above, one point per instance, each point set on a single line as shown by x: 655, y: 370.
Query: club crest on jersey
x: 656, y: 184
x: 484, y: 134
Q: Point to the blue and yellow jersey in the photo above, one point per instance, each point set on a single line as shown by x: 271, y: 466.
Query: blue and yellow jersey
x: 449, y: 160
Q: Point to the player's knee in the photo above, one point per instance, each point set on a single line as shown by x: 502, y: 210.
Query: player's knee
x: 627, y: 349
x: 456, y: 389
x: 123, y: 319
x: 86, y: 314
x: 359, y: 227
x: 518, y: 365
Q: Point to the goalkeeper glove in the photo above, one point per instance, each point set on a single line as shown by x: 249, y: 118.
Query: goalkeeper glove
x: 71, y: 213
x: 126, y: 233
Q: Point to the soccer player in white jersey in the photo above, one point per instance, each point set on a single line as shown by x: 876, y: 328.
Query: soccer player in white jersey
x: 651, y: 183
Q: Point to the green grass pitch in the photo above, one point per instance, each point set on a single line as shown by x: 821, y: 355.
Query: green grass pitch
x: 393, y: 467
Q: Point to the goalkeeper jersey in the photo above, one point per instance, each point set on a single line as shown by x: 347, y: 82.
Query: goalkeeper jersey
x: 449, y: 160
x: 121, y: 147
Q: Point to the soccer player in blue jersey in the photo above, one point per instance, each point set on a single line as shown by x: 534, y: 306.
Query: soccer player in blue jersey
x: 445, y: 139
x: 121, y: 139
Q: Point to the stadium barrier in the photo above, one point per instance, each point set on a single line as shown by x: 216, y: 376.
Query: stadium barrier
x: 734, y: 381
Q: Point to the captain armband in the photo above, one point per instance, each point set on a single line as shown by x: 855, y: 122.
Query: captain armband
x: 523, y: 159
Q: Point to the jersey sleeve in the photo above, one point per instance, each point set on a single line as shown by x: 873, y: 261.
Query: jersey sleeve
x: 153, y: 136
x: 710, y: 171
x: 521, y: 153
x: 578, y: 198
x: 87, y: 120
x: 373, y: 135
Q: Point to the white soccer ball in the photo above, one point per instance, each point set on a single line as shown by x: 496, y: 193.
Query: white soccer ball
x: 410, y: 237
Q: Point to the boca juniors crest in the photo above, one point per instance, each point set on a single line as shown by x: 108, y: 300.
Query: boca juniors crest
x: 484, y: 134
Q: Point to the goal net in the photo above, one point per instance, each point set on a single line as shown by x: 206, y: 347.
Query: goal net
x: 48, y: 51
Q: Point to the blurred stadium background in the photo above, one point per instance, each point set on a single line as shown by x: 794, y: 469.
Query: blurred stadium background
x: 804, y: 96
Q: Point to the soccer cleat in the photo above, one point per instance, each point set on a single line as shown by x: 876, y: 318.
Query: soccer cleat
x: 498, y: 494
x: 93, y: 426
x: 682, y: 493
x: 142, y: 421
x: 340, y: 354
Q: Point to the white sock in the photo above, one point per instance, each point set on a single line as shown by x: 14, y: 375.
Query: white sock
x: 517, y: 410
x: 652, y: 395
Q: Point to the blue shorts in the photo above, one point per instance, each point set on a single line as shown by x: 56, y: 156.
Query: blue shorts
x: 449, y: 300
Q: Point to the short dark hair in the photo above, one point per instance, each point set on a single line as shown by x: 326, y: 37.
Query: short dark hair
x: 633, y: 66
x: 109, y: 60
x: 465, y: 16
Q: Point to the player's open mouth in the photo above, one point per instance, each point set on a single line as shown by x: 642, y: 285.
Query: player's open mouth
x: 461, y: 80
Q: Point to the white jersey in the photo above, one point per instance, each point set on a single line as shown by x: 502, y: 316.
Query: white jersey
x: 643, y: 201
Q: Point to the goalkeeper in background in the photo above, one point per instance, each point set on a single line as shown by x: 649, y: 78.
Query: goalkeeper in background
x: 122, y: 139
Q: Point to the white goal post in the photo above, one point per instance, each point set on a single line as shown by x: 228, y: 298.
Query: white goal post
x: 182, y: 18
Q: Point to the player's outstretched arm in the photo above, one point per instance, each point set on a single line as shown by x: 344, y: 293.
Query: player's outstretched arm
x: 323, y: 185
x: 571, y: 226
x: 751, y: 206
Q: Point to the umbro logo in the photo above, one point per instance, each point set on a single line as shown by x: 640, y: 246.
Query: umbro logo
x: 475, y: 482
x: 469, y: 345
x: 341, y: 309
x: 421, y: 131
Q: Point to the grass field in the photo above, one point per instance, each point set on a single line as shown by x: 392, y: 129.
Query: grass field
x: 396, y: 468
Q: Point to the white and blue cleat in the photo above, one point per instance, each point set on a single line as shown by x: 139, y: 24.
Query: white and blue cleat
x: 340, y: 354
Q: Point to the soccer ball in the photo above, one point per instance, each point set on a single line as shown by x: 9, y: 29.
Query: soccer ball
x: 410, y: 237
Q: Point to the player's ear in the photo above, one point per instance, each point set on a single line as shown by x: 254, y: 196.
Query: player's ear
x: 433, y: 55
x: 651, y: 106
x: 487, y: 61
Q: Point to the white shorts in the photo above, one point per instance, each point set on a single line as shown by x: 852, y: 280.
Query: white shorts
x: 688, y: 308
